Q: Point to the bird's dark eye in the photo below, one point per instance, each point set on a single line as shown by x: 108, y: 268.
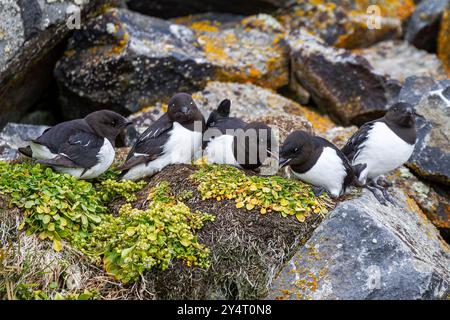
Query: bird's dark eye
x: 296, y: 149
x: 113, y: 123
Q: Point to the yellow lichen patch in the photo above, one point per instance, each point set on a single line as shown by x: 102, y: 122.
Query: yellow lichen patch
x: 444, y: 41
x: 321, y: 123
x: 205, y: 26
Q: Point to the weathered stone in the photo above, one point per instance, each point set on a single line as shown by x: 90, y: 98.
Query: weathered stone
x: 31, y: 33
x: 14, y: 136
x: 432, y: 199
x: 348, y: 24
x: 339, y: 82
x: 364, y: 250
x: 399, y: 60
x: 177, y: 8
x: 126, y: 61
x: 444, y: 41
x: 431, y: 156
x: 423, y: 25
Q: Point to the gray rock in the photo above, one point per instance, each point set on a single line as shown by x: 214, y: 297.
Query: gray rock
x: 339, y: 82
x: 423, y: 26
x: 126, y: 61
x: 399, y: 60
x: 431, y: 156
x: 14, y: 136
x: 30, y: 34
x: 364, y: 250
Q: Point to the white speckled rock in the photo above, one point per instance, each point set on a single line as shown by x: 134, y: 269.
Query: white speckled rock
x: 15, y: 135
x: 364, y: 250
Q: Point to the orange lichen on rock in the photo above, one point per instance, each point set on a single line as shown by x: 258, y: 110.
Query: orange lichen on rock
x: 444, y: 41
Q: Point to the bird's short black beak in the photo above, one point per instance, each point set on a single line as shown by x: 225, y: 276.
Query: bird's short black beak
x: 185, y: 109
x: 127, y: 124
x: 282, y: 162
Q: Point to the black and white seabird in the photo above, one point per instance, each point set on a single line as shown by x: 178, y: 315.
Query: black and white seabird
x: 175, y: 137
x: 383, y: 144
x: 83, y: 148
x: 242, y: 145
x: 317, y: 161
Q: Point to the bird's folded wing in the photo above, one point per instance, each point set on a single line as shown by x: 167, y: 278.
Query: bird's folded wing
x: 79, y: 152
x: 150, y: 144
x: 356, y: 141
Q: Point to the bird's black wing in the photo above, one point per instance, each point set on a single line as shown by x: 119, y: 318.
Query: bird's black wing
x: 354, y: 144
x: 56, y: 136
x: 150, y: 144
x: 80, y: 151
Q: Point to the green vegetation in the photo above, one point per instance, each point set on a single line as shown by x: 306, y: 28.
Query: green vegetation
x: 138, y: 240
x: 60, y: 207
x: 286, y: 196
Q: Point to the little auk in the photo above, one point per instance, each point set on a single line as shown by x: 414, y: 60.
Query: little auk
x: 318, y: 162
x: 174, y: 138
x: 83, y: 148
x: 383, y: 145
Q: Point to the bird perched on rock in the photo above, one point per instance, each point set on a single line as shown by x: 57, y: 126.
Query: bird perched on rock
x: 244, y: 147
x: 383, y: 145
x: 317, y: 161
x: 83, y: 148
x: 174, y: 138
x: 230, y: 140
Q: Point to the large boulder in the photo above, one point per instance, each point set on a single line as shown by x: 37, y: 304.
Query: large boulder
x: 178, y: 8
x: 444, y: 40
x: 348, y: 24
x: 399, y: 60
x: 423, y: 25
x: 339, y: 82
x: 126, y: 61
x: 31, y: 34
x: 14, y: 136
x: 364, y: 250
x: 431, y: 156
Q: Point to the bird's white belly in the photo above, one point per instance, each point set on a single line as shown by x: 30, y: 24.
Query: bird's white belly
x: 181, y: 147
x: 383, y: 151
x: 105, y: 158
x: 41, y: 152
x: 220, y: 150
x: 328, y: 172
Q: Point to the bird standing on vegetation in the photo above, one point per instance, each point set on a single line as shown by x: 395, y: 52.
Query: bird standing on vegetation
x: 83, y: 148
x: 174, y: 138
x: 230, y: 140
x: 317, y: 161
x: 383, y: 145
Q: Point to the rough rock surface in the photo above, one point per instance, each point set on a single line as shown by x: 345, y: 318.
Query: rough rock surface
x: 15, y: 135
x: 423, y: 25
x: 431, y: 156
x: 364, y: 250
x: 432, y: 199
x: 126, y: 61
x: 30, y: 34
x: 399, y: 60
x: 444, y: 40
x: 345, y: 23
x: 339, y: 82
x: 177, y: 8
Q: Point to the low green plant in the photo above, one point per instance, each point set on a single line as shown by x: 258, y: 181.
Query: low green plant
x: 138, y: 240
x: 112, y: 189
x: 286, y: 196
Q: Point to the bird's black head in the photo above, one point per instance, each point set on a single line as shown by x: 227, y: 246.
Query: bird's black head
x: 222, y: 111
x: 182, y: 109
x: 253, y: 145
x: 401, y: 114
x: 296, y: 149
x: 107, y: 123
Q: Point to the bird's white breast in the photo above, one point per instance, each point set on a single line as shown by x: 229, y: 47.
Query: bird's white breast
x: 328, y: 172
x: 220, y: 150
x: 181, y: 147
x: 383, y: 151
